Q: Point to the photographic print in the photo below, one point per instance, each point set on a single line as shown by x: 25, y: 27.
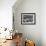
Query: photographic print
x: 28, y: 18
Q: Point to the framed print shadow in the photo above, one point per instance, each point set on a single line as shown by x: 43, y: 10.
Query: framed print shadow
x: 28, y: 18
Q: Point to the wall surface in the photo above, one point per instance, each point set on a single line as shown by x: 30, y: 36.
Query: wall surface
x: 43, y: 22
x: 6, y: 13
x: 32, y: 32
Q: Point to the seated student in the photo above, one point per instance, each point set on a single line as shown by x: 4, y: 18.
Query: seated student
x: 18, y: 40
x: 29, y: 43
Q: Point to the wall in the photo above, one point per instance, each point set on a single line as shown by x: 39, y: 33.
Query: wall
x: 6, y: 13
x: 29, y: 31
x: 43, y: 22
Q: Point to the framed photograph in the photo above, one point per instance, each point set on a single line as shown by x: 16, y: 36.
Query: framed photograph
x: 28, y: 18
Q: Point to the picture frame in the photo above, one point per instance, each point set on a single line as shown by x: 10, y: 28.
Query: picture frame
x: 28, y: 18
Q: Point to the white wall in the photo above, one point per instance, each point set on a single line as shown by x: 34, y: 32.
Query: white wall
x: 43, y: 22
x: 6, y: 13
x: 30, y: 31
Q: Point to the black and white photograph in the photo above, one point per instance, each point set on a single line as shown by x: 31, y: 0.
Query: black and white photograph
x: 28, y: 18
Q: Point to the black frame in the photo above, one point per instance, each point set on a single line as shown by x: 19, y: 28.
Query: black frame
x: 28, y: 15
